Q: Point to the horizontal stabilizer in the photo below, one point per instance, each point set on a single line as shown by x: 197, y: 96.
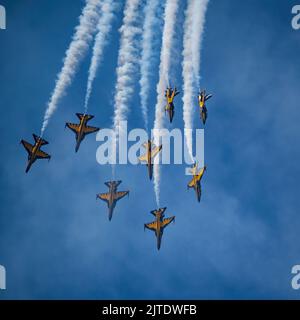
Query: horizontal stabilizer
x: 82, y: 115
x: 111, y: 183
x: 36, y: 138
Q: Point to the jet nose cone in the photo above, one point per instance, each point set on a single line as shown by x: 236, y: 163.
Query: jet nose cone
x: 110, y: 214
x: 158, y: 244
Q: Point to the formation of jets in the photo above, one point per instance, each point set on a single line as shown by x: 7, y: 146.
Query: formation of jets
x: 81, y: 129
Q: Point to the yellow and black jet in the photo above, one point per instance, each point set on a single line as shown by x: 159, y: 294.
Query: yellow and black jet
x: 202, y: 98
x: 170, y: 94
x: 151, y: 152
x: 112, y: 196
x: 34, y: 151
x: 159, y: 224
x: 195, y: 183
x: 81, y: 129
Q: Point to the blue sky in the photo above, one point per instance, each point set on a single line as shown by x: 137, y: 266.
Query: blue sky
x: 241, y: 241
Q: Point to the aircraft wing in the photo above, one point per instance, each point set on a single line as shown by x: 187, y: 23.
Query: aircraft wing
x: 42, y: 155
x: 167, y: 221
x: 143, y: 158
x: 27, y: 146
x: 103, y: 196
x: 155, y: 151
x: 89, y: 129
x: 151, y: 226
x: 200, y: 174
x: 208, y: 96
x: 120, y: 195
x: 74, y: 127
x: 192, y: 183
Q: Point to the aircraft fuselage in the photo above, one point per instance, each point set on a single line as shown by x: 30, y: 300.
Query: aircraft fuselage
x: 111, y: 200
x: 32, y: 156
x: 158, y: 231
x: 197, y: 189
x: 149, y: 158
x: 159, y: 234
x: 81, y: 135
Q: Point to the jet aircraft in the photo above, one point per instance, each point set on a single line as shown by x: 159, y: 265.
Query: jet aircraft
x: 81, y: 129
x: 151, y: 152
x: 34, y: 151
x: 159, y: 224
x: 202, y: 98
x: 195, y: 183
x: 112, y: 196
x: 170, y: 94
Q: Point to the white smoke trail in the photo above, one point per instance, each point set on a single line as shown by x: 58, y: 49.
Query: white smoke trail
x: 192, y: 38
x: 103, y: 29
x: 151, y: 20
x: 80, y: 42
x: 199, y: 13
x: 164, y: 68
x: 127, y: 64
